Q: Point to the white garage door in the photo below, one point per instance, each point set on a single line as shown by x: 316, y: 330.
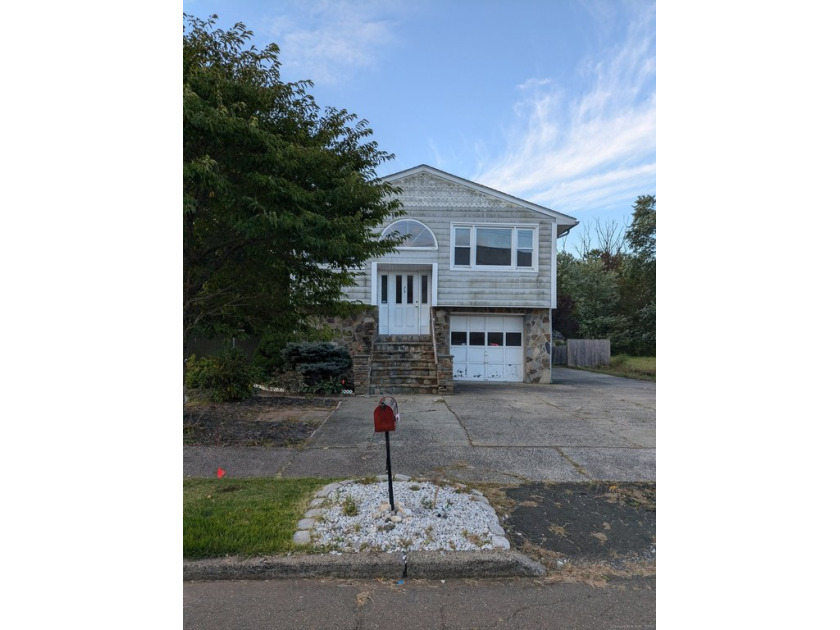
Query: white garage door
x: 486, y: 348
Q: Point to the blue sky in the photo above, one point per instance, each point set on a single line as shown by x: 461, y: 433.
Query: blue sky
x: 551, y: 101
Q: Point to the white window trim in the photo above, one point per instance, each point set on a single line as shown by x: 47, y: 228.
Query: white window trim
x: 433, y: 248
x: 514, y: 245
x: 374, y: 281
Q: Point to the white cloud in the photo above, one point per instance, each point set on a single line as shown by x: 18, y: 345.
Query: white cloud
x: 329, y: 41
x: 586, y: 151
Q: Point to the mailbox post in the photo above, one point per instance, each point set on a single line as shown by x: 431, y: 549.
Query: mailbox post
x: 386, y: 415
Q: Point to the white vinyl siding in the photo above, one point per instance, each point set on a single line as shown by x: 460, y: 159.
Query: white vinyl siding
x: 451, y: 211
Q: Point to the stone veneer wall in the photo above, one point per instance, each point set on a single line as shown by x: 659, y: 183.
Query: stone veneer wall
x: 441, y: 329
x: 446, y: 383
x: 356, y: 333
x: 537, y: 367
x: 537, y: 337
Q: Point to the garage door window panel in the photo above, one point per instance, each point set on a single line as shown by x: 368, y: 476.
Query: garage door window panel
x: 476, y: 338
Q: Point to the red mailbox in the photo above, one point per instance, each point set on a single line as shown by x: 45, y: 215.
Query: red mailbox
x: 386, y: 415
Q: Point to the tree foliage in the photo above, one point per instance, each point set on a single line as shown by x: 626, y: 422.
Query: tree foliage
x: 280, y: 198
x: 639, y: 278
x: 609, y: 291
x: 226, y: 376
x: 641, y: 235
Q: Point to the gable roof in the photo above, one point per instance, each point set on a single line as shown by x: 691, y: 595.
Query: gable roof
x: 563, y: 220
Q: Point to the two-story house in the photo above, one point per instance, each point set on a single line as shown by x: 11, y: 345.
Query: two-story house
x: 468, y: 295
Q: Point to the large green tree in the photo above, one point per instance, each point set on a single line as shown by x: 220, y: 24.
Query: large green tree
x: 280, y: 197
x: 595, y: 290
x: 609, y: 291
x: 638, y: 285
x: 641, y: 235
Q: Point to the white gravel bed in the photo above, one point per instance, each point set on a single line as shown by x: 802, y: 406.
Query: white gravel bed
x: 356, y: 517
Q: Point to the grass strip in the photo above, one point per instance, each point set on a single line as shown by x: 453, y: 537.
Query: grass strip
x: 641, y: 368
x: 243, y: 517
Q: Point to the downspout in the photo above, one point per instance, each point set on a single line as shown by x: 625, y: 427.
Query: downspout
x: 434, y: 344
x: 432, y: 329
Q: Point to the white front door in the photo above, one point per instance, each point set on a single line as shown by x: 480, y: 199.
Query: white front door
x: 404, y: 303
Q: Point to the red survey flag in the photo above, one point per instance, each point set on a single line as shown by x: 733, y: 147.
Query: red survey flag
x: 220, y: 473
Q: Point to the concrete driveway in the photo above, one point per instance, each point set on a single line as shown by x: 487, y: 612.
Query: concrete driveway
x: 582, y: 427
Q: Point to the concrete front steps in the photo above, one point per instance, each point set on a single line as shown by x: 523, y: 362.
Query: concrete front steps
x: 403, y: 364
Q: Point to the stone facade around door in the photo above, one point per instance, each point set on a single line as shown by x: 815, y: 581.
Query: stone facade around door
x: 358, y: 332
x: 537, y: 337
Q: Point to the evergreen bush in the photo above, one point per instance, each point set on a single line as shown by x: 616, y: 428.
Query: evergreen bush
x: 268, y: 357
x: 323, y: 365
x: 226, y: 376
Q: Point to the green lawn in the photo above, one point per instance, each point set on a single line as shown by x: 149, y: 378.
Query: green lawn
x: 244, y: 517
x: 642, y: 368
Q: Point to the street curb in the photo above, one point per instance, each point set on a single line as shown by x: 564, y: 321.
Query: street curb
x: 417, y: 564
x: 475, y: 564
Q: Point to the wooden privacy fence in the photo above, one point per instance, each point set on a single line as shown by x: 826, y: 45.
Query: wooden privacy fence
x: 205, y: 347
x: 582, y: 353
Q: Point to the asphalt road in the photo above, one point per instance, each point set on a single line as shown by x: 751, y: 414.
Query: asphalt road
x: 449, y: 604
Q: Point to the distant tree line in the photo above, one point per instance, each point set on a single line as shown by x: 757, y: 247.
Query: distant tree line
x: 607, y: 289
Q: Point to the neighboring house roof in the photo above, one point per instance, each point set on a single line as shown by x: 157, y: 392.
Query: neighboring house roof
x: 564, y: 221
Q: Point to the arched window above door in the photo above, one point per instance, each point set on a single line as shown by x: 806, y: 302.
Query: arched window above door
x: 418, y: 235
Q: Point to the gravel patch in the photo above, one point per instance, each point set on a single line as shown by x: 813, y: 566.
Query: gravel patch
x: 356, y: 517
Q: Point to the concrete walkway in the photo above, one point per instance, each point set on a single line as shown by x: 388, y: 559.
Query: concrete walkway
x: 582, y: 427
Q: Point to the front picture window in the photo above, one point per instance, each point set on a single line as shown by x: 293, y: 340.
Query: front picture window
x: 494, y: 247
